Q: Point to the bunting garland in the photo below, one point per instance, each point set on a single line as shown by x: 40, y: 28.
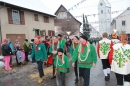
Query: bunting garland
x: 75, y: 6
x: 108, y: 20
x: 113, y: 12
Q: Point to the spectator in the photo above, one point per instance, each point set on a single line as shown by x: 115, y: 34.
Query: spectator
x: 12, y: 49
x: 26, y: 49
x: 6, y: 52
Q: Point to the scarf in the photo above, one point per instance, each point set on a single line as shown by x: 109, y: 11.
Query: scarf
x: 75, y: 44
x: 37, y: 44
x: 60, y: 38
x: 83, y: 45
x: 60, y: 56
x: 55, y: 45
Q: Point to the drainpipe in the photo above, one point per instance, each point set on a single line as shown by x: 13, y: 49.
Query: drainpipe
x: 0, y: 33
x: 0, y: 25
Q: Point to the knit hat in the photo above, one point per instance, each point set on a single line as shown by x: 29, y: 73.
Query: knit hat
x: 26, y: 39
x: 32, y: 40
x: 60, y: 50
x: 114, y: 35
x: 84, y: 37
x: 60, y: 35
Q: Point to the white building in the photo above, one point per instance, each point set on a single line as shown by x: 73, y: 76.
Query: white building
x: 122, y: 22
x: 104, y: 11
x: 94, y: 33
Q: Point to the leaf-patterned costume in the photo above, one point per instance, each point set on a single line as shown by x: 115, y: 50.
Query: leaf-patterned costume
x: 115, y: 41
x: 120, y: 58
x: 103, y: 48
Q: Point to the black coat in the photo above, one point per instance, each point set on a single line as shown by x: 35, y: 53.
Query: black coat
x: 6, y: 50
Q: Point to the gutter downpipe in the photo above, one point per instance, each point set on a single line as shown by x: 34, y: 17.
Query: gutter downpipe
x: 0, y: 29
x: 0, y: 25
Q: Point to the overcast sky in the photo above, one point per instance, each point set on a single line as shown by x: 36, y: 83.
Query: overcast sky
x: 87, y: 7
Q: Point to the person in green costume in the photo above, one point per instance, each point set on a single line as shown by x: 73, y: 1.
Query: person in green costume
x: 39, y: 51
x: 53, y: 50
x: 86, y: 55
x: 61, y: 43
x: 72, y: 48
x: 62, y: 66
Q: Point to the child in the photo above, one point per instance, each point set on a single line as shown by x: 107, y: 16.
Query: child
x: 62, y: 66
x: 19, y: 56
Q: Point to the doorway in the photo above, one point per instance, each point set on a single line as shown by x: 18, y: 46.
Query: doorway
x: 37, y: 32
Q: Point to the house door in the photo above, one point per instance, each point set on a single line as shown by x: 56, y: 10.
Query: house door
x: 14, y: 37
x: 37, y: 32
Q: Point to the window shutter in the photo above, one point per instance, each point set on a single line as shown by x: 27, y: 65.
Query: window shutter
x: 36, y: 17
x: 22, y: 20
x: 53, y: 33
x: 49, y: 32
x: 44, y: 33
x: 10, y: 20
x: 41, y: 33
x: 46, y: 19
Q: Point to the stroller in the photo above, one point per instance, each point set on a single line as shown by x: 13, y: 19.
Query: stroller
x: 20, y: 56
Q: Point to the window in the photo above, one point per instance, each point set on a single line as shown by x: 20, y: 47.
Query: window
x: 64, y: 29
x: 62, y: 15
x: 15, y: 16
x: 101, y: 11
x: 46, y: 19
x: 123, y: 23
x: 36, y: 17
x: 43, y: 33
x: 51, y: 33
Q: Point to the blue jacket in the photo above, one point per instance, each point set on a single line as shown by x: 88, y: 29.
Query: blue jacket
x: 11, y: 46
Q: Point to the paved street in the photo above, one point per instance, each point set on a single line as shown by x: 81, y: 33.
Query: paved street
x: 27, y: 75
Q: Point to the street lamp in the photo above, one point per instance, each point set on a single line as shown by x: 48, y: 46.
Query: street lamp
x: 68, y: 33
x: 115, y: 30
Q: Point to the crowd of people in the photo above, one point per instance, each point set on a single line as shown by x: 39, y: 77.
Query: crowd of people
x: 114, y: 54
